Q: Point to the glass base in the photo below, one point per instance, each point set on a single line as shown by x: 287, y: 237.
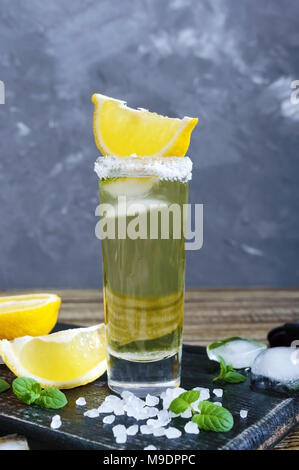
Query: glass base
x: 142, y: 378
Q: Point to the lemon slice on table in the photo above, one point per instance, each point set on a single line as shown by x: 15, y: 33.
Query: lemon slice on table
x: 65, y: 359
x: 122, y: 131
x: 33, y: 314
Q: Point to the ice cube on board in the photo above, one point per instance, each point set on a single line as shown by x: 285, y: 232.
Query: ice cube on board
x: 240, y: 352
x: 277, y: 369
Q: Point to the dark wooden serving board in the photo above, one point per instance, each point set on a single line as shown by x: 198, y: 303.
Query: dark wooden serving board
x: 270, y: 417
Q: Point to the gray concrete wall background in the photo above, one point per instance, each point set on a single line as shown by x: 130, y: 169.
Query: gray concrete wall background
x: 229, y: 62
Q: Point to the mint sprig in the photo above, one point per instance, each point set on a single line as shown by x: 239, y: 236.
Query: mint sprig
x: 208, y: 416
x: 228, y: 373
x: 213, y: 417
x: 51, y: 398
x: 184, y: 401
x: 4, y: 385
x: 29, y: 391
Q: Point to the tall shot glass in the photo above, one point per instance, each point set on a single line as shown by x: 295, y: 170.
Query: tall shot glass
x: 142, y: 221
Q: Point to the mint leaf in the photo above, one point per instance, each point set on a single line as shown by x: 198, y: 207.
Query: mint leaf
x: 27, y: 390
x: 183, y: 401
x: 234, y: 377
x: 178, y: 405
x: 51, y: 398
x: 228, y: 373
x: 190, y: 397
x: 213, y: 417
x: 223, y: 369
x: 4, y: 386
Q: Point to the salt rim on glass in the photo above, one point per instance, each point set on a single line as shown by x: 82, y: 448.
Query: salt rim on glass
x: 165, y: 168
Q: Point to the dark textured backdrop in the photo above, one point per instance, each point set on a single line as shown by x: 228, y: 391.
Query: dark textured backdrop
x: 229, y: 62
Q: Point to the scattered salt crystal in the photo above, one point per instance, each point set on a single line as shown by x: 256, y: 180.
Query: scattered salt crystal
x: 145, y: 429
x: 56, y: 418
x: 164, y: 417
x: 81, y: 401
x: 204, y: 393
x: 157, y: 432
x: 243, y: 413
x: 170, y: 395
x: 191, y: 428
x: 153, y: 422
x: 151, y: 400
x: 109, y: 419
x: 56, y: 422
x: 175, y: 392
x: 218, y: 392
x: 151, y: 411
x: 119, y: 410
x: 112, y: 399
x: 217, y: 403
x: 187, y: 413
x: 132, y: 430
x: 119, y: 429
x: 121, y: 438
x: 173, y: 415
x: 150, y: 448
x: 94, y: 413
x: 106, y: 408
x: 126, y: 395
x: 172, y: 433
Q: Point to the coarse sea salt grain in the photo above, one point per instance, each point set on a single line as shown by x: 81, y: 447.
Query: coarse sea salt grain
x: 146, y: 429
x: 81, y: 401
x: 94, y: 413
x: 132, y: 430
x: 56, y: 422
x: 172, y: 433
x: 164, y: 417
x: 157, y: 432
x: 152, y: 422
x: 151, y: 400
x: 151, y: 447
x: 106, y: 408
x: 243, y: 413
x: 109, y: 419
x: 119, y: 429
x: 121, y: 438
x: 126, y: 394
x: 151, y: 411
x: 187, y: 413
x: 191, y: 428
x: 218, y: 392
x: 204, y: 393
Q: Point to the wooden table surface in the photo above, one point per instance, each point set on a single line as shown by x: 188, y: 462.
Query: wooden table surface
x: 210, y: 314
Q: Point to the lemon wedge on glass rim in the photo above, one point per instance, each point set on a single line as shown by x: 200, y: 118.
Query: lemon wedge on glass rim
x: 65, y: 359
x: 123, y: 131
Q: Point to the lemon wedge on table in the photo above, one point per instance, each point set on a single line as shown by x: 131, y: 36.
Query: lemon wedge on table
x: 31, y: 314
x: 65, y: 359
x: 122, y: 131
